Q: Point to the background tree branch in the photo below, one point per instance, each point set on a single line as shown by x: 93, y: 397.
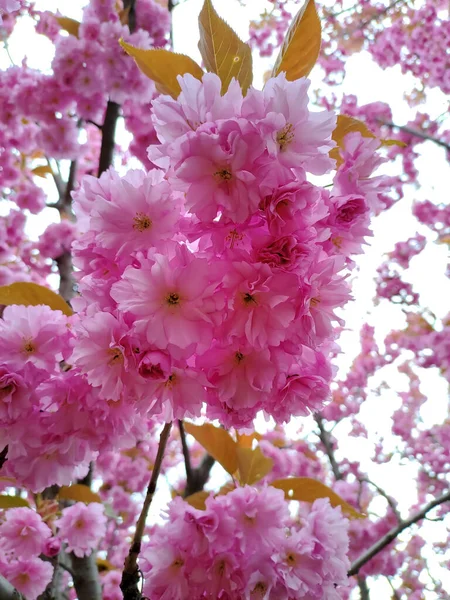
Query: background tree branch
x: 9, y: 592
x: 325, y: 438
x: 393, y: 534
x: 130, y: 574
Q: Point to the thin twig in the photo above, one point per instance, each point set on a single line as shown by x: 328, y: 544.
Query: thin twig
x: 186, y: 455
x: 3, y: 456
x: 130, y: 574
x: 395, y: 595
x: 416, y: 133
x: 392, y: 535
x: 325, y: 438
x: 388, y: 499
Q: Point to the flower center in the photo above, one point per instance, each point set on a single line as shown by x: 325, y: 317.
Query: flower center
x: 223, y: 174
x: 260, y: 588
x: 291, y: 559
x: 29, y: 347
x: 285, y: 136
x: 142, y: 222
x: 173, y: 299
x: 314, y: 301
x: 171, y: 380
x: 79, y: 524
x: 239, y: 357
x: 6, y: 391
x: 248, y: 298
x: 178, y: 562
x: 116, y: 356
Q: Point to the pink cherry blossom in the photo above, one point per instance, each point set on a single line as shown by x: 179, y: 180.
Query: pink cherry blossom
x: 82, y: 527
x: 23, y: 532
x: 141, y: 214
x: 173, y: 300
x: 29, y: 576
x: 33, y: 334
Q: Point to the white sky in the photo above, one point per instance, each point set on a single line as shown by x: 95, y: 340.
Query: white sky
x: 370, y: 83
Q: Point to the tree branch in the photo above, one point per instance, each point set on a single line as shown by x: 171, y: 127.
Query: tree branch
x: 9, y: 592
x: 3, y: 456
x: 363, y: 588
x: 186, y: 455
x: 388, y: 499
x: 415, y: 132
x: 108, y: 137
x: 392, y: 535
x: 85, y: 577
x: 325, y: 438
x: 131, y: 6
x: 130, y: 574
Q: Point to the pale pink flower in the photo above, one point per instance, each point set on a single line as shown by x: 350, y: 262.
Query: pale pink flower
x: 294, y: 135
x: 142, y: 213
x: 7, y: 6
x: 198, y: 103
x: 17, y: 395
x: 217, y: 169
x: 175, y: 301
x: 179, y: 396
x: 101, y: 352
x: 259, y: 514
x: 294, y: 206
x: 29, y: 576
x: 354, y: 175
x: 35, y: 334
x: 262, y: 305
x: 241, y: 376
x: 23, y: 532
x: 82, y: 527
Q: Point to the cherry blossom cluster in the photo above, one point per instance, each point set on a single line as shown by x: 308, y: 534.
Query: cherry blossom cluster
x: 225, y: 266
x: 417, y: 47
x: 246, y: 545
x: 26, y: 540
x: 50, y: 417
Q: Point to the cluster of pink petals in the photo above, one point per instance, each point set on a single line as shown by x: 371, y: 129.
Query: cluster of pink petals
x: 50, y: 417
x: 246, y: 545
x: 215, y: 279
x: 81, y: 527
x: 23, y: 537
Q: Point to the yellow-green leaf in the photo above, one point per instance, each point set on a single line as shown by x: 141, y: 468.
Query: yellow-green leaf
x: 217, y: 442
x: 78, y: 493
x: 301, y: 46
x: 308, y: 490
x: 32, y: 294
x: 222, y: 51
x: 198, y: 500
x: 104, y: 565
x: 246, y: 441
x: 253, y: 465
x: 163, y: 67
x: 393, y: 143
x: 12, y: 502
x: 69, y: 25
x: 42, y: 170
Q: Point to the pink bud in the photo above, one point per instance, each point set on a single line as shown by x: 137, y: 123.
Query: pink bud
x: 155, y: 365
x: 52, y: 546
